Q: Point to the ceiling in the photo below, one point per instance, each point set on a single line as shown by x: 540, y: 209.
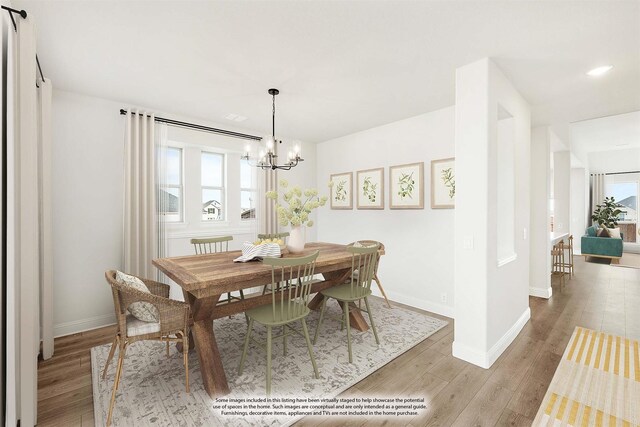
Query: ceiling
x: 341, y: 66
x: 618, y: 132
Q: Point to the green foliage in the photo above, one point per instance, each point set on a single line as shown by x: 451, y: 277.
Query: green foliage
x: 607, y: 214
x: 340, y: 194
x: 449, y: 181
x: 369, y: 189
x: 406, y: 183
x: 297, y: 204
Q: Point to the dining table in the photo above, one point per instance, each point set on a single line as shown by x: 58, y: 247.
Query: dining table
x: 205, y: 278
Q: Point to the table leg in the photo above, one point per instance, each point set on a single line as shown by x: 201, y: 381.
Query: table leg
x: 357, y: 319
x: 211, y: 369
x: 213, y: 376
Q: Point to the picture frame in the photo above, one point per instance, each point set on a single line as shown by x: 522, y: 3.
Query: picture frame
x: 443, y: 183
x: 341, y: 190
x: 406, y: 186
x: 370, y: 188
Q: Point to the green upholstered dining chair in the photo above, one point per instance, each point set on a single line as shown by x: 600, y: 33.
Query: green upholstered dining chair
x: 287, y: 307
x: 214, y: 245
x: 364, y: 260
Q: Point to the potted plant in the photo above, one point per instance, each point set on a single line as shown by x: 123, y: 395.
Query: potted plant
x: 294, y: 210
x: 607, y: 213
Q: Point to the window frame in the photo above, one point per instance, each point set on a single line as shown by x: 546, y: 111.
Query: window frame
x: 249, y: 189
x: 164, y: 185
x: 222, y: 189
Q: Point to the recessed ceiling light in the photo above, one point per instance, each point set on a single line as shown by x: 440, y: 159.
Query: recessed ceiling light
x: 240, y: 119
x: 599, y: 70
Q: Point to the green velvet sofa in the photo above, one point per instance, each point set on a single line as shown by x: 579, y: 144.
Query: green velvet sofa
x: 604, y: 247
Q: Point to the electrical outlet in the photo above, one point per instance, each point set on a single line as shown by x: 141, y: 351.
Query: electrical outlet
x: 443, y: 297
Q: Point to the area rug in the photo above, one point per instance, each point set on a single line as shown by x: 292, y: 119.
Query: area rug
x: 597, y: 383
x: 152, y: 387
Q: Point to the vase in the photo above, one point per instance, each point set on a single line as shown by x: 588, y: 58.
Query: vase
x: 296, y: 241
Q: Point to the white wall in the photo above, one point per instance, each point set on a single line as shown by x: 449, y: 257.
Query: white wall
x: 87, y: 208
x: 418, y: 266
x: 491, y: 294
x: 578, y: 206
x: 561, y: 190
x: 615, y: 161
x: 540, y: 258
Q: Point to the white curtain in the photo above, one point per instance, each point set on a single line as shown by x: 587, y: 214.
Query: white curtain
x: 46, y: 223
x: 26, y: 132
x: 142, y: 229
x: 597, y: 190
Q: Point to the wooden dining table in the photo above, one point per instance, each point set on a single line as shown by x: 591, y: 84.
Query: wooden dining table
x: 204, y: 278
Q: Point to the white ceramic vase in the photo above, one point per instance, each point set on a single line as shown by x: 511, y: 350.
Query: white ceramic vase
x: 296, y: 241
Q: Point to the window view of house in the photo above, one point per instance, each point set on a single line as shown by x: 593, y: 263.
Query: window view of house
x: 170, y: 192
x: 212, y: 172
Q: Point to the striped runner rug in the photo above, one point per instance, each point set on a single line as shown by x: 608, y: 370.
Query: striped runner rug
x: 597, y: 383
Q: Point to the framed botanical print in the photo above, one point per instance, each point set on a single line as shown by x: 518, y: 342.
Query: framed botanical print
x: 443, y: 183
x: 341, y: 190
x: 370, y: 185
x: 406, y: 186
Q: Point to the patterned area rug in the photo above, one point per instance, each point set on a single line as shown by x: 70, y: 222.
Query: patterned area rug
x: 152, y: 387
x: 596, y: 384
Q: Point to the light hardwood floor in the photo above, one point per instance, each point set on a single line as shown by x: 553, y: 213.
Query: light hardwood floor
x: 508, y: 394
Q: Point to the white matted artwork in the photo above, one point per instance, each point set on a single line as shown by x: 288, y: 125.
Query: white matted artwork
x: 341, y: 190
x: 406, y: 186
x: 370, y: 185
x: 443, y: 183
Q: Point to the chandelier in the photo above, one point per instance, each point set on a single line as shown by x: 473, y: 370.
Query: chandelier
x: 269, y: 159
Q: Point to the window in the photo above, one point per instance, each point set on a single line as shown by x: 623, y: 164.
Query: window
x: 248, y: 194
x: 170, y: 193
x: 626, y: 195
x: 212, y: 173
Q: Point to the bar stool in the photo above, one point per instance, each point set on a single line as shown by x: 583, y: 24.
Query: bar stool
x: 557, y: 261
x: 569, y: 262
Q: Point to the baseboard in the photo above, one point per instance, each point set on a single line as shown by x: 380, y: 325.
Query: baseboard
x: 82, y: 325
x: 485, y: 360
x: 541, y: 292
x: 443, y: 310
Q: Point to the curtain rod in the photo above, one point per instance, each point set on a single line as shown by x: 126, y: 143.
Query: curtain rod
x: 616, y: 173
x: 23, y: 14
x: 200, y: 127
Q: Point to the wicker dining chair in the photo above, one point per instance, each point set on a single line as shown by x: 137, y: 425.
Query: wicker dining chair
x: 364, y: 260
x: 173, y: 324
x: 287, y: 307
x: 214, y: 245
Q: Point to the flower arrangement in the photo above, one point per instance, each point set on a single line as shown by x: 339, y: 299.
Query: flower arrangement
x: 293, y: 210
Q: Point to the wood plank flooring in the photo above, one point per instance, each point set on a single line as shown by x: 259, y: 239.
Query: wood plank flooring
x: 458, y: 394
